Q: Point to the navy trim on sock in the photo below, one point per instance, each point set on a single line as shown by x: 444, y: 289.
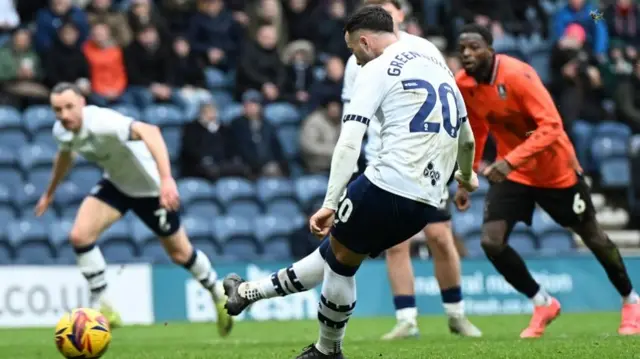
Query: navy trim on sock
x: 294, y: 279
x: 324, y: 247
x: 451, y: 295
x: 339, y: 268
x: 191, y: 260
x: 335, y: 307
x: 277, y: 285
x: 404, y: 301
x: 80, y: 250
x: 331, y: 323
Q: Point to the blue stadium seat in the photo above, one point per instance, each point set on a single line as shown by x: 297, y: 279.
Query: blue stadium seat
x: 542, y: 223
x: 208, y: 247
x: 581, y: 136
x: 12, y: 178
x: 241, y: 250
x: 30, y: 238
x: 272, y: 189
x: 290, y: 141
x: 119, y: 251
x: 281, y: 113
x: 8, y: 157
x: 466, y: 223
x: 523, y: 243
x: 539, y: 60
x: 6, y: 193
x: 163, y: 115
x: 69, y: 211
x: 477, y: 208
x: 36, y: 156
x: 615, y: 173
x: 44, y: 138
x: 277, y: 250
x: 613, y: 129
x: 481, y: 191
x: 206, y: 211
x: 6, y: 254
x: 141, y: 234
x: 154, y: 251
x: 284, y: 209
x: 38, y: 118
x: 310, y: 188
x: 128, y: 110
x: 231, y: 112
x: 119, y: 231
x: 39, y: 176
x: 34, y: 254
x: 195, y: 190
x: 10, y: 118
x: 235, y: 190
x: 28, y: 195
x: 270, y: 227
x: 173, y: 138
x: 557, y: 243
x: 473, y: 247
x: 7, y: 215
x: 230, y: 228
x: 222, y: 99
x: 197, y: 228
x: 243, y: 209
x: 68, y: 193
x: 48, y: 218
x: 59, y: 232
x: 603, y: 148
x: 85, y: 177
x: 13, y: 139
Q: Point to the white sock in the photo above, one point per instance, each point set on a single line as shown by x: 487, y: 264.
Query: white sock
x: 337, y: 302
x: 407, y: 315
x: 632, y: 298
x: 93, y: 267
x: 200, y: 267
x: 542, y: 298
x: 454, y: 310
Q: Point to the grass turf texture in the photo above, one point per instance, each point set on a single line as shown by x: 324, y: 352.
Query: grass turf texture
x: 571, y: 336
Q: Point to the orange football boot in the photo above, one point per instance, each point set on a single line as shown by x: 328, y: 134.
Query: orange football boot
x: 542, y: 316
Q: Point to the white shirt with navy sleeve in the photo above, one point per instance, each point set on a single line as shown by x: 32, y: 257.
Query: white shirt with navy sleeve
x: 413, y: 95
x: 104, y: 139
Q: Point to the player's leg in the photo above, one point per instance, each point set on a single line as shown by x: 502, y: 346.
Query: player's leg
x: 103, y: 207
x: 507, y: 203
x: 446, y: 263
x: 166, y: 225
x: 401, y: 278
x: 572, y: 207
x: 301, y: 276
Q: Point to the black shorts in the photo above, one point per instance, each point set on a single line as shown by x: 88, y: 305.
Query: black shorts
x: 515, y: 202
x: 160, y: 221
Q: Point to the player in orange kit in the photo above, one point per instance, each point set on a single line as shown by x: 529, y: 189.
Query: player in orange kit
x: 536, y: 164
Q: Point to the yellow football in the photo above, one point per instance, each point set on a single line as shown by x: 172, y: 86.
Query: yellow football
x: 83, y: 333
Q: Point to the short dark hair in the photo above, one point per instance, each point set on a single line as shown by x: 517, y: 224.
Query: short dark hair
x: 372, y: 18
x: 395, y: 3
x: 66, y: 86
x: 480, y: 30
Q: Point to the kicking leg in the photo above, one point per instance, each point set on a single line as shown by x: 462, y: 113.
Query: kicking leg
x: 512, y: 267
x: 301, y: 276
x: 93, y: 218
x: 181, y: 251
x: 401, y: 277
x: 446, y: 262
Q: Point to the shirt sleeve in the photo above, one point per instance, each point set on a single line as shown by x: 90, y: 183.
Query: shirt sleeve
x: 107, y: 122
x: 536, y: 102
x: 350, y: 73
x: 368, y: 92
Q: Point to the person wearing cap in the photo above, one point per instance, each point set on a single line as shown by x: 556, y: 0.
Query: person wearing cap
x: 256, y: 140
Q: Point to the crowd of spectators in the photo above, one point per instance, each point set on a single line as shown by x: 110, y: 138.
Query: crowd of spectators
x: 291, y: 54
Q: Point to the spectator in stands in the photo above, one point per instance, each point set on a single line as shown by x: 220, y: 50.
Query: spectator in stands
x: 51, y: 18
x: 319, y: 135
x: 103, y: 11
x: 329, y: 86
x: 300, y: 20
x: 298, y: 59
x: 579, y: 12
x: 142, y: 14
x: 148, y: 63
x: 9, y: 20
x: 577, y: 79
x: 329, y: 38
x: 531, y: 18
x: 256, y: 140
x: 177, y: 14
x: 108, y: 75
x: 623, y: 23
x: 268, y: 12
x: 260, y: 66
x: 187, y: 76
x: 65, y: 62
x: 627, y: 97
x: 206, y: 150
x: 496, y: 15
x: 20, y: 71
x: 215, y: 36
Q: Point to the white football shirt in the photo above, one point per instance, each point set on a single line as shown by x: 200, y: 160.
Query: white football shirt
x: 413, y: 95
x: 104, y: 139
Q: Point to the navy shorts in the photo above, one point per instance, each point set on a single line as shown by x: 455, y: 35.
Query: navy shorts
x: 370, y: 220
x: 159, y: 220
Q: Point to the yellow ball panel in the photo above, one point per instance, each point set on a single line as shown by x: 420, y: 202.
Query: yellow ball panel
x: 83, y: 333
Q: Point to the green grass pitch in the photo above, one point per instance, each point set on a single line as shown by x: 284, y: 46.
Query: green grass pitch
x: 571, y: 336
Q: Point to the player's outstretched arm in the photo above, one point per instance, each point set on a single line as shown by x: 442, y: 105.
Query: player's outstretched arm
x: 538, y: 105
x: 61, y: 165
x: 152, y: 138
x: 466, y: 149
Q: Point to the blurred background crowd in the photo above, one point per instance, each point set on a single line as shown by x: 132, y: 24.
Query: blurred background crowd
x: 247, y: 93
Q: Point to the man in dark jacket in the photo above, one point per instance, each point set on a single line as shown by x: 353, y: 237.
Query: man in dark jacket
x: 148, y: 63
x: 260, y: 66
x: 206, y: 150
x: 66, y: 62
x: 256, y: 140
x: 627, y: 98
x: 49, y: 20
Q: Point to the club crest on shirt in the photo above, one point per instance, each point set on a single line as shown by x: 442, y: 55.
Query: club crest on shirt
x: 502, y: 91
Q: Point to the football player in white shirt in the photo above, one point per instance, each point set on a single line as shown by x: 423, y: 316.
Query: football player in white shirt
x: 424, y: 131
x: 137, y: 177
x: 440, y: 240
